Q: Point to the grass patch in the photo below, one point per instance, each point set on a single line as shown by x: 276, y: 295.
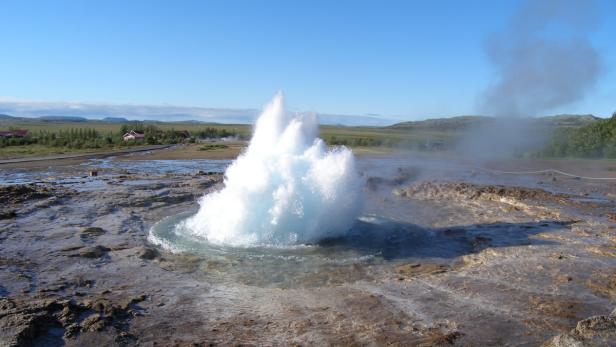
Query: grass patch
x: 13, y: 152
x: 211, y: 147
x: 35, y: 125
x: 33, y: 151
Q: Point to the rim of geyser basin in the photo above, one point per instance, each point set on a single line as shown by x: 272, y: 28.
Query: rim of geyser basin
x: 261, y: 266
x: 164, y: 234
x: 169, y: 226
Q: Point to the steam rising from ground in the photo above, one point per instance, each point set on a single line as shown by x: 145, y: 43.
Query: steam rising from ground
x: 543, y: 60
x: 287, y: 188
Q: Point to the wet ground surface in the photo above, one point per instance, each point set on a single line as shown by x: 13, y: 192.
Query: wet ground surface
x: 445, y: 253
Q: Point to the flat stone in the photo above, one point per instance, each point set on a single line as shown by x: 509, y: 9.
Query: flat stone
x: 148, y: 253
x: 94, y: 252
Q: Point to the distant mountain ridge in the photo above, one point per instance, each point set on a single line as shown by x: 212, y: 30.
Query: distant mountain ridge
x: 325, y: 119
x: 440, y: 124
x: 167, y: 113
x: 63, y: 119
x: 73, y: 119
x: 444, y: 123
x: 570, y: 119
x: 115, y: 120
x: 470, y: 121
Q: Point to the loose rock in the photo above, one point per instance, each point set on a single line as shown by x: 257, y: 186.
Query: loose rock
x: 94, y: 252
x: 148, y: 253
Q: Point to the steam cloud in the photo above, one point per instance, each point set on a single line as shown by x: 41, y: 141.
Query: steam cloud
x: 287, y: 188
x: 543, y: 59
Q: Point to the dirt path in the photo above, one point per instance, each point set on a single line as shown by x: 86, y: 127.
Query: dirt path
x: 229, y: 150
x: 72, y: 159
x: 84, y: 155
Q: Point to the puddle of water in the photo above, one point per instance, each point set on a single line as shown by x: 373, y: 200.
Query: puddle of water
x: 162, y: 167
x: 369, y: 249
x: 302, y: 265
x: 74, y: 174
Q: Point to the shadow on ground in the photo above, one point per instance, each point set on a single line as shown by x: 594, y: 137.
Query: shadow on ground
x: 395, y: 240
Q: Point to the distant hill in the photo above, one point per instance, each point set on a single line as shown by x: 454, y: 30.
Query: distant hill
x: 459, y: 123
x: 170, y: 113
x: 595, y: 139
x: 6, y: 117
x: 467, y: 122
x: 568, y: 120
x: 115, y: 120
x: 194, y: 122
x: 62, y: 119
x: 452, y: 123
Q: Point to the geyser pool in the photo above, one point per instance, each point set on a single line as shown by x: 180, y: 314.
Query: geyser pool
x: 335, y: 261
x: 365, y: 251
x: 287, y: 188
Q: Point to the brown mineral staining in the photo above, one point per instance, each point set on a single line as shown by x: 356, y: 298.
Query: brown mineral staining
x: 19, y: 193
x: 592, y: 331
x: 463, y: 264
x: 148, y: 253
x: 468, y: 191
x: 23, y: 321
x: 602, y: 250
x: 94, y: 252
x: 603, y: 284
x: 417, y: 269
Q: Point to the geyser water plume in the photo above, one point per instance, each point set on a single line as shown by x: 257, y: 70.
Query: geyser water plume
x: 286, y: 188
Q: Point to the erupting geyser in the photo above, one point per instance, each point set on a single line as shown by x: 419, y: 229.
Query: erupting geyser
x: 287, y: 188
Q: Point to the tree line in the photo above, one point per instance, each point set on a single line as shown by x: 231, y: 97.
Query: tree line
x: 90, y: 138
x: 595, y: 140
x: 413, y: 144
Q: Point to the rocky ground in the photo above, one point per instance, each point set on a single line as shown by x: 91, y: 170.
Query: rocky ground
x: 476, y: 260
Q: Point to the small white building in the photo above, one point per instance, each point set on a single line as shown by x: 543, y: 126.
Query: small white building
x: 133, y: 135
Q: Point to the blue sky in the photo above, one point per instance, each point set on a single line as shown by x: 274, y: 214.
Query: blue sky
x: 396, y: 59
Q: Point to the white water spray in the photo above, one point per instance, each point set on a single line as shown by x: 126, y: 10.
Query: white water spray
x: 287, y: 188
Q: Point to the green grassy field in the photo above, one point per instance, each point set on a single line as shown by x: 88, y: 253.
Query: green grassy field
x: 429, y: 135
x: 106, y: 127
x: 12, y: 152
x: 243, y: 129
x: 387, y: 136
x: 34, y: 126
x: 356, y: 137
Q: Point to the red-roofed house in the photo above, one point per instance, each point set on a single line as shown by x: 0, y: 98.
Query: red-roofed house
x: 133, y: 135
x: 14, y: 133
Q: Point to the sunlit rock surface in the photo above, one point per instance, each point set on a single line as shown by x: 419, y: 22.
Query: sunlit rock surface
x: 456, y: 260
